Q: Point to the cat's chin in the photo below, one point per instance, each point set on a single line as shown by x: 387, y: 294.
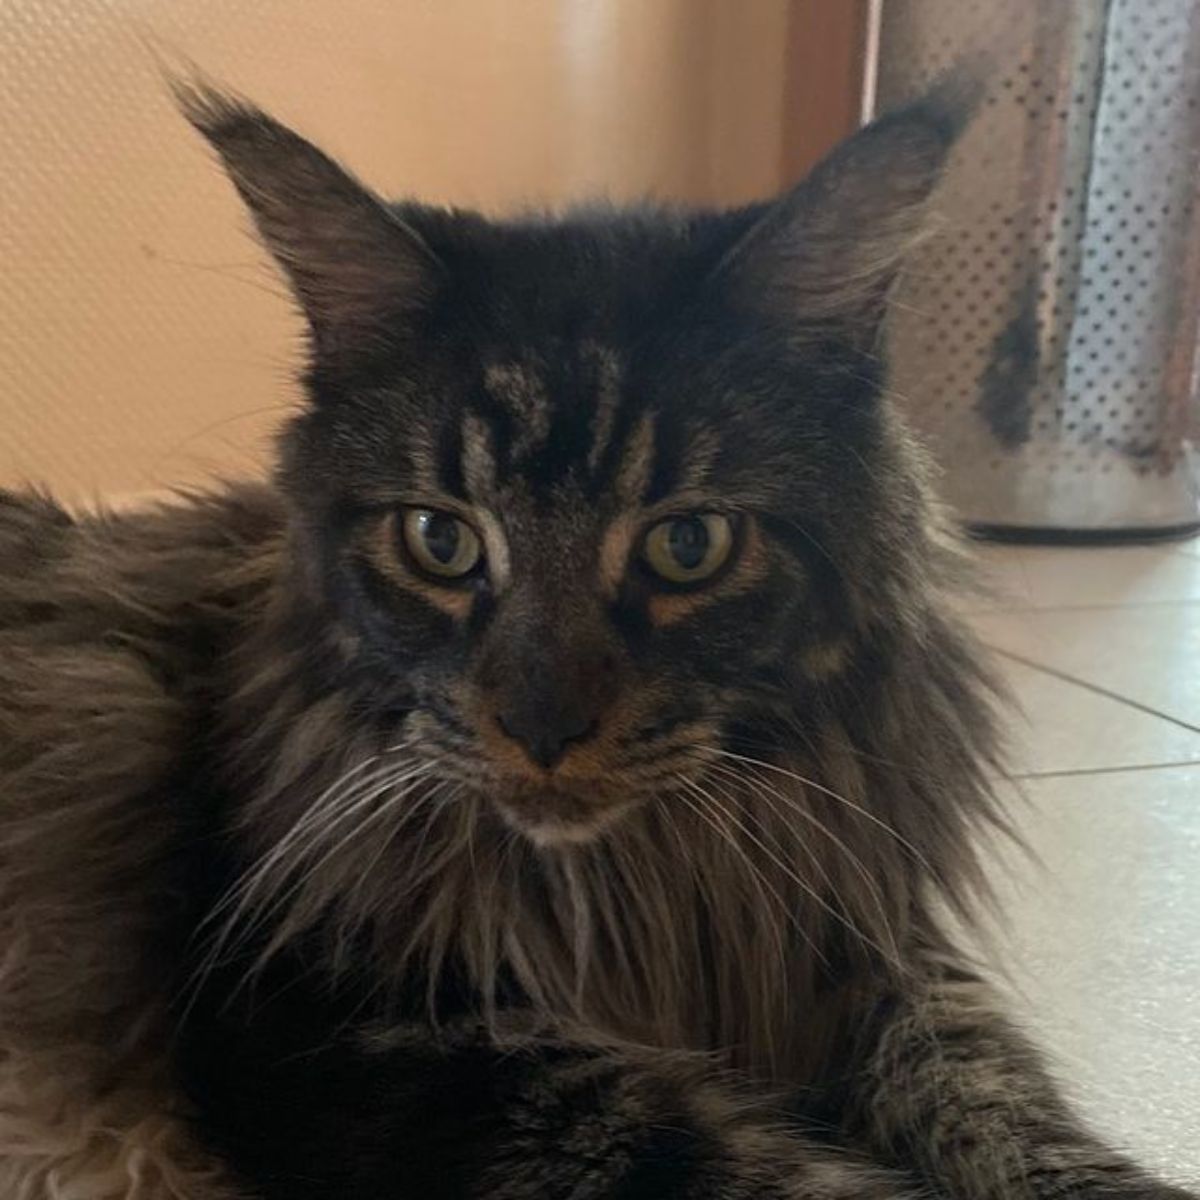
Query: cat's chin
x: 549, y: 816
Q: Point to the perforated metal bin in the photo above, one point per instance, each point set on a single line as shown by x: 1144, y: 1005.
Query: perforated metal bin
x: 1045, y: 339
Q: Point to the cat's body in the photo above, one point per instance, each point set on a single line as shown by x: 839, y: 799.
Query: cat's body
x: 555, y: 785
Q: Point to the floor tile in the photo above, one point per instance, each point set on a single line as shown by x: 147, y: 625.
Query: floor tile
x: 1094, y: 576
x: 1103, y: 950
x: 1060, y: 726
x: 1148, y: 655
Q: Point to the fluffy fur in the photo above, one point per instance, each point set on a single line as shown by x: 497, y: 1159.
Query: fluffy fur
x: 289, y: 909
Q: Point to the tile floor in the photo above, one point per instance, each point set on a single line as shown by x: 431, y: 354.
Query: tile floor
x: 1102, y: 940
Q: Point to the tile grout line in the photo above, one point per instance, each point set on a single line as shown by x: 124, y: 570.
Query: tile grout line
x: 1092, y: 687
x: 1014, y: 609
x: 1072, y: 771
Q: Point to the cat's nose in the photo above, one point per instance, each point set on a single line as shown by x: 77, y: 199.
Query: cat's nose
x: 545, y: 733
x: 549, y: 689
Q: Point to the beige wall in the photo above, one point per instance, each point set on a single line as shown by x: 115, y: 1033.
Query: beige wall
x: 144, y: 339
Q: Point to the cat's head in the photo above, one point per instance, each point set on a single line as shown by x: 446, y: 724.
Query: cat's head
x: 590, y: 499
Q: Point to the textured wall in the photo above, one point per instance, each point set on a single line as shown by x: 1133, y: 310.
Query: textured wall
x: 144, y: 339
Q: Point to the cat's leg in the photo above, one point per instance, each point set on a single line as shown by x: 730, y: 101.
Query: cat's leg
x: 610, y: 1126
x: 947, y: 1088
x: 406, y: 1114
x: 606, y: 1128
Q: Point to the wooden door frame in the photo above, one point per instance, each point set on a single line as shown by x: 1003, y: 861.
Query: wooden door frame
x: 826, y: 53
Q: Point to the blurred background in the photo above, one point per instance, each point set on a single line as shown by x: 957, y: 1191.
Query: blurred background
x: 145, y: 341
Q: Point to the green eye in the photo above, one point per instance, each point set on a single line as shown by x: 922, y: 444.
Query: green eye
x: 688, y: 549
x: 439, y: 543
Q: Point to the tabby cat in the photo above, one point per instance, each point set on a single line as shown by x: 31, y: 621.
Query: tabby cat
x: 558, y: 781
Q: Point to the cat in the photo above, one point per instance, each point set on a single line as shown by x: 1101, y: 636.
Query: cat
x: 559, y: 778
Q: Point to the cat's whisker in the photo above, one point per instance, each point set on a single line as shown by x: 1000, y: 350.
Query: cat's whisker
x: 420, y: 870
x: 260, y: 877
x: 826, y: 791
x: 331, y: 796
x: 391, y: 800
x: 718, y: 772
x: 365, y: 792
x: 815, y: 896
x: 246, y: 925
x: 254, y: 891
x: 755, y: 872
x: 773, y: 796
x: 386, y: 842
x: 363, y: 797
x: 285, y: 932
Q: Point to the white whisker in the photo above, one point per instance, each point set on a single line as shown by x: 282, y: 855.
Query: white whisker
x: 363, y: 796
x: 242, y: 912
x: 771, y: 795
x: 826, y: 791
x: 806, y: 887
x: 311, y: 815
x: 757, y: 877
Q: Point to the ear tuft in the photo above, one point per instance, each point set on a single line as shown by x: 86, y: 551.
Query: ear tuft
x: 357, y: 270
x: 208, y: 109
x: 826, y: 253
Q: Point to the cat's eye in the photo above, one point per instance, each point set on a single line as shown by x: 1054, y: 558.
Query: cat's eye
x: 688, y: 548
x: 440, y: 544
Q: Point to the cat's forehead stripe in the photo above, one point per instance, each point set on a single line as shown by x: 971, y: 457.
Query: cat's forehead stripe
x: 608, y: 394
x: 636, y: 464
x: 522, y: 392
x: 537, y: 399
x: 478, y: 458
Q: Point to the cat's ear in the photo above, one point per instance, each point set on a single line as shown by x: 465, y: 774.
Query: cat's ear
x: 826, y: 253
x: 357, y: 270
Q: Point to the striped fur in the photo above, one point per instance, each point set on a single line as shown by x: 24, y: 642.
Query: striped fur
x: 289, y: 911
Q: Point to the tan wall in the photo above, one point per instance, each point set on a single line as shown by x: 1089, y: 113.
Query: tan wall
x: 144, y: 339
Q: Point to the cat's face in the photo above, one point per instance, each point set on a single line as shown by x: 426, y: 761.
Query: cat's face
x: 589, y: 501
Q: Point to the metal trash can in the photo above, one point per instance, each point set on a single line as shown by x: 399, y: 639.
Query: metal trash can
x: 1045, y: 340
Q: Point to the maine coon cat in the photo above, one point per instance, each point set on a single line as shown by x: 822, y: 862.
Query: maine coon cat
x: 554, y: 783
